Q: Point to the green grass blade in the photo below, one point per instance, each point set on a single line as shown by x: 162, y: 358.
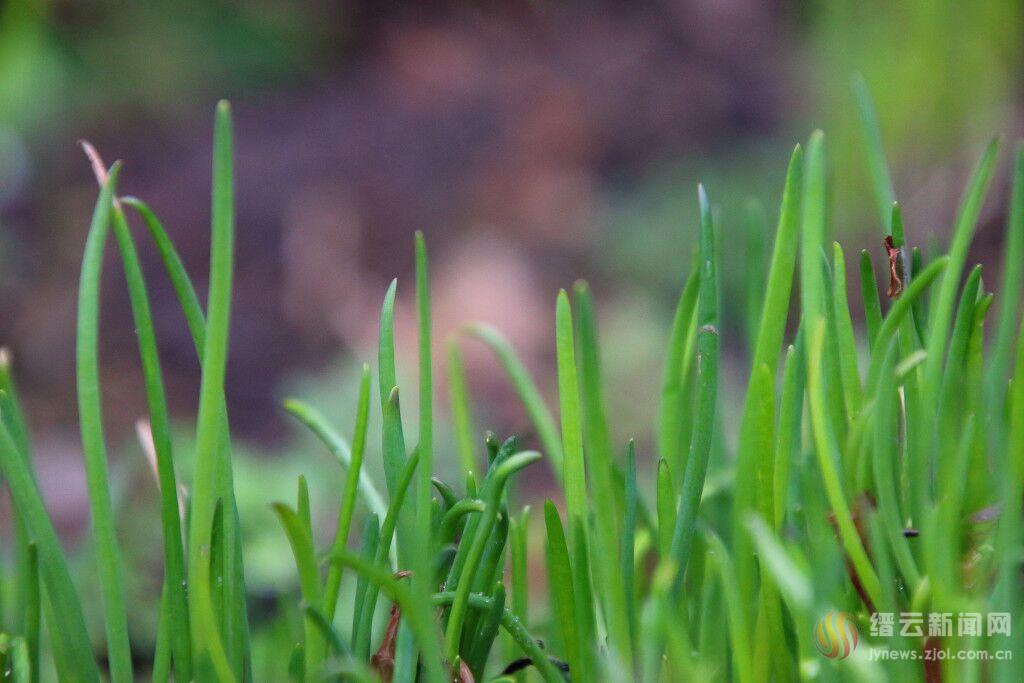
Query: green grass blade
x: 574, y: 470
x: 884, y: 467
x: 414, y: 612
x: 852, y: 390
x: 881, y: 181
x: 176, y: 273
x: 206, y: 638
x: 1006, y: 595
x: 174, y: 553
x: 628, y: 544
x: 368, y: 551
x: 519, y: 562
x: 70, y: 644
x: 787, y: 447
x: 10, y: 407
x: 755, y: 467
x: 898, y: 313
x: 707, y: 396
x: 326, y: 628
x: 33, y: 611
x: 339, y: 448
x: 195, y: 319
x: 352, y: 481
x: 584, y: 608
x: 737, y: 610
x: 560, y: 586
x: 162, y: 648
x: 297, y: 530
x: 94, y: 448
x: 940, y: 312
x: 672, y: 413
x: 462, y: 413
x: 387, y: 532
x: 493, y: 492
x: 780, y: 275
x: 828, y: 456
x: 489, y: 625
x: 422, y: 551
x: 812, y: 287
x: 513, y: 625
x: 755, y: 239
x: 598, y: 446
x: 527, y: 390
x: 998, y: 361
x: 666, y: 507
x: 869, y: 294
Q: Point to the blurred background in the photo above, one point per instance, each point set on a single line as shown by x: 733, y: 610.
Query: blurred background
x: 533, y: 142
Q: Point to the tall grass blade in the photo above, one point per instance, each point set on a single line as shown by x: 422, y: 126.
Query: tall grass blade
x: 598, y: 445
x: 574, y: 471
x: 673, y: 422
x: 94, y: 448
x: 174, y: 554
x: 462, y: 412
x: 297, y: 530
x: 707, y: 396
x: 207, y: 642
x: 880, y: 179
x: 1010, y: 293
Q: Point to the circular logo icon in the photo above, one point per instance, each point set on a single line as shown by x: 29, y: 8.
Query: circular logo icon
x: 835, y: 635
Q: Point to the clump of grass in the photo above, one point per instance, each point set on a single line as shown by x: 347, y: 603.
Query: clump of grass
x: 881, y: 472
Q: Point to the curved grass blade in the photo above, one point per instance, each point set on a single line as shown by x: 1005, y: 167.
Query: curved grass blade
x: 387, y: 532
x: 898, y: 313
x: 339, y: 448
x: 941, y: 310
x: 327, y: 631
x: 353, y: 478
x: 174, y: 554
x: 93, y: 442
x: 238, y: 637
x: 530, y: 396
x: 492, y: 493
x: 827, y: 451
x: 414, y: 612
x: 70, y: 644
